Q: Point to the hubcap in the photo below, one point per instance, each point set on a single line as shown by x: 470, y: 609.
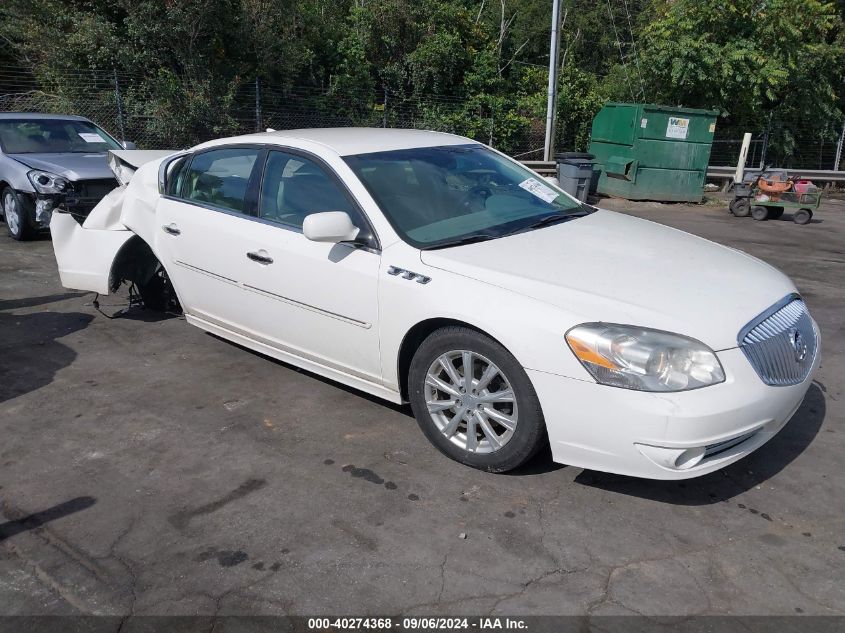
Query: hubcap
x: 471, y: 401
x: 10, y: 210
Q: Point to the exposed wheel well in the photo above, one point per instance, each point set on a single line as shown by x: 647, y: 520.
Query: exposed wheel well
x: 134, y: 262
x: 415, y: 336
x: 137, y: 264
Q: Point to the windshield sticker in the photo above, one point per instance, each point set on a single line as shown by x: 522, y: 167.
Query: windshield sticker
x: 91, y: 137
x: 532, y: 185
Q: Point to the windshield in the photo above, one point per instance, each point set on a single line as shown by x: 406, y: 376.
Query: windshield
x: 439, y: 196
x: 46, y: 136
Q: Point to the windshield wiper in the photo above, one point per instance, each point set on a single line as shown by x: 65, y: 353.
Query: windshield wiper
x: 548, y: 220
x: 469, y: 239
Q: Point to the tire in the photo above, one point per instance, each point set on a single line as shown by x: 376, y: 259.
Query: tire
x: 759, y: 213
x: 802, y: 216
x: 740, y: 207
x: 775, y: 214
x: 516, y: 422
x: 15, y: 215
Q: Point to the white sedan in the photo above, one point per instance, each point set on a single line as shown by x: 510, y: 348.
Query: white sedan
x: 425, y: 267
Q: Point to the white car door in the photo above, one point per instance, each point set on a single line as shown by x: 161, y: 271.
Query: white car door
x: 209, y: 199
x: 315, y: 300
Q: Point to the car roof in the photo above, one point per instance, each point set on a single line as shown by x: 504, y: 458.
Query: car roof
x: 40, y: 116
x: 359, y: 140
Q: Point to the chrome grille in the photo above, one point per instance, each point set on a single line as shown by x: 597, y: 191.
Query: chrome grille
x: 781, y: 343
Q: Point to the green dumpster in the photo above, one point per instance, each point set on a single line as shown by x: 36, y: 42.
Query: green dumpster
x: 652, y: 152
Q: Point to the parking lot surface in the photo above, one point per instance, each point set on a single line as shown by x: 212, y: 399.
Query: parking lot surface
x: 149, y: 468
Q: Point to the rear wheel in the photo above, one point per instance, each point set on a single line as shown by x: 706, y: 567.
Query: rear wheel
x: 802, y: 216
x: 740, y: 207
x: 760, y: 213
x: 13, y: 211
x: 474, y: 401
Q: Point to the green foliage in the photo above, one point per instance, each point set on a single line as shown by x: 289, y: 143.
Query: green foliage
x: 178, y: 110
x: 475, y: 67
x: 747, y: 58
x: 581, y: 96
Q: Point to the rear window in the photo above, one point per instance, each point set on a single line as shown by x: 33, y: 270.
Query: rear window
x: 220, y: 177
x: 51, y: 136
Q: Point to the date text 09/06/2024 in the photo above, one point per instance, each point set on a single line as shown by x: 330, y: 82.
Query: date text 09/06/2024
x: 416, y: 624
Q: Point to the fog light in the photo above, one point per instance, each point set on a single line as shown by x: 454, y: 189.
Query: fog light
x: 689, y: 458
x: 672, y: 458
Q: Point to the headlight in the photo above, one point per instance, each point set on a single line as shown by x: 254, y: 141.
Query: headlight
x: 643, y: 359
x: 45, y: 182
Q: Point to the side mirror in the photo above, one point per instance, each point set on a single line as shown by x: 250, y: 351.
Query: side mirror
x: 129, y: 145
x: 329, y: 226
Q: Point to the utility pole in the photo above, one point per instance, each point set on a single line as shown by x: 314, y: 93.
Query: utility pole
x: 551, y: 105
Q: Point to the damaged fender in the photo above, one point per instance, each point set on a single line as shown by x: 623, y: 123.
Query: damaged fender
x: 86, y: 253
x: 85, y: 256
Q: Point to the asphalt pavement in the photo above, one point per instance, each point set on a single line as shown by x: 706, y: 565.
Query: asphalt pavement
x: 149, y: 468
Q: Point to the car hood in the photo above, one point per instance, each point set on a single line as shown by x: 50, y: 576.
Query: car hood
x: 72, y: 165
x: 620, y: 269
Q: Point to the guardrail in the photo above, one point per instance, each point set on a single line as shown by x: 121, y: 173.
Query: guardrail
x: 542, y: 167
x: 818, y: 175
x: 714, y: 172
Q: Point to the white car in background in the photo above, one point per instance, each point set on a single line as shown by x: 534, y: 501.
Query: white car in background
x: 425, y: 267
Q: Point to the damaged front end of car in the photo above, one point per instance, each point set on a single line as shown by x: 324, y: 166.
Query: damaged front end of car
x: 51, y: 190
x: 100, y: 253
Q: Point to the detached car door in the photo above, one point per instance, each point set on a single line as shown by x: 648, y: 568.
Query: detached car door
x: 318, y: 300
x: 210, y: 197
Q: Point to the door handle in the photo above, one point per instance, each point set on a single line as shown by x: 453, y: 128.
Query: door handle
x: 172, y: 229
x: 260, y: 256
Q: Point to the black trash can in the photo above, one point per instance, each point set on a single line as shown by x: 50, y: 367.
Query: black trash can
x: 574, y: 173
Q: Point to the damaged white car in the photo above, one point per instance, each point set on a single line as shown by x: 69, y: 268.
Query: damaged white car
x: 425, y: 267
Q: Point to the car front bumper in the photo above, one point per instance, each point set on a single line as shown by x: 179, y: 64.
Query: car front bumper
x: 665, y: 435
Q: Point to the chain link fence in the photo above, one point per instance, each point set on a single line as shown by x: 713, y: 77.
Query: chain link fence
x: 165, y: 112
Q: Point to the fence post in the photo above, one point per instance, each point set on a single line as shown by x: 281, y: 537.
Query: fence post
x: 743, y: 155
x: 765, y: 142
x: 839, y: 149
x: 258, y: 127
x: 384, y: 110
x: 119, y: 102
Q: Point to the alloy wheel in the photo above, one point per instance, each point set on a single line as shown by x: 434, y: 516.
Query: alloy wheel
x: 10, y: 211
x: 471, y: 401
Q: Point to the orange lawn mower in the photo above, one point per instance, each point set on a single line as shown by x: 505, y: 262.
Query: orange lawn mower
x: 767, y: 195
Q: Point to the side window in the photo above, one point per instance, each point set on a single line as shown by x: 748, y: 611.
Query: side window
x: 220, y: 177
x: 295, y: 187
x: 176, y: 176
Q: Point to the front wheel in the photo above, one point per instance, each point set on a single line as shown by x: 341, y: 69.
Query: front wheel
x: 740, y: 207
x: 474, y: 401
x: 15, y: 215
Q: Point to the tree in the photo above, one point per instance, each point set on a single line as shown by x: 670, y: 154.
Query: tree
x: 747, y: 58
